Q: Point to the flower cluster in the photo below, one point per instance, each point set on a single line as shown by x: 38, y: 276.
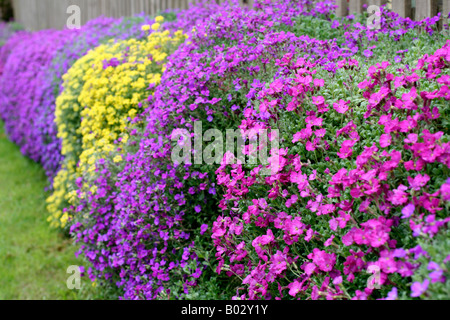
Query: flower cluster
x: 7, y: 30
x: 356, y: 206
x: 102, y: 91
x: 341, y: 193
x: 23, y: 75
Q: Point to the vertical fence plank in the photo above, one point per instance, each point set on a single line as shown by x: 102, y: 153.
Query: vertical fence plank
x: 426, y: 9
x: 378, y: 2
x: 445, y: 10
x: 45, y: 14
x: 342, y: 8
x: 356, y: 6
x: 402, y: 7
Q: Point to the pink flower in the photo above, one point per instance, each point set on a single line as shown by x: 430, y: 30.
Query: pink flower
x: 309, y: 235
x: 412, y: 138
x: 329, y: 241
x: 325, y: 209
x: 399, y: 196
x: 341, y: 106
x: 348, y: 239
x: 432, y: 205
x: 320, y: 133
x: 278, y: 262
x: 407, y: 125
x: 314, y: 121
x: 324, y: 261
x: 319, y: 82
x: 310, y: 146
x: 296, y: 137
x: 310, y: 268
x: 346, y: 149
x: 418, y: 182
x: 417, y: 166
x: 294, y: 288
x: 337, y: 281
x: 277, y: 85
x: 303, y: 134
x: 296, y: 227
x: 445, y: 191
x: 318, y: 100
x: 291, y: 201
x: 385, y: 140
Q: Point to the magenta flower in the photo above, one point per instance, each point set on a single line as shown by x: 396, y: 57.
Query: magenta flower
x: 418, y: 182
x: 341, y: 106
x: 294, y: 288
x: 346, y: 149
x: 445, y: 191
x: 329, y: 241
x: 338, y: 280
x: 324, y: 261
x: 385, y: 140
x: 399, y: 196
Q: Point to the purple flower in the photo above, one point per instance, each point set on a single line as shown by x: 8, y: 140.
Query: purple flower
x: 393, y: 294
x: 337, y: 280
x: 447, y: 259
x: 418, y: 288
x: 368, y: 53
x: 399, y: 253
x: 408, y: 211
x: 437, y: 276
x: 203, y: 228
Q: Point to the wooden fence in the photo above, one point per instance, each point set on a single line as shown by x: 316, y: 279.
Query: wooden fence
x: 414, y: 9
x: 52, y: 14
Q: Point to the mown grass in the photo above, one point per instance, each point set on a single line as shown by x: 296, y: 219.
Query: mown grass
x: 33, y: 257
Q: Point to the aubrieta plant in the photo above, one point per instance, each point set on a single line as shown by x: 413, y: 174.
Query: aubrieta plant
x: 7, y: 29
x: 22, y: 76
x: 216, y: 77
x: 101, y: 92
x: 357, y: 203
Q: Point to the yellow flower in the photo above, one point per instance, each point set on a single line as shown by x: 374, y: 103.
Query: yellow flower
x: 104, y: 99
x: 159, y: 19
x: 145, y: 27
x: 93, y: 189
x: 64, y: 219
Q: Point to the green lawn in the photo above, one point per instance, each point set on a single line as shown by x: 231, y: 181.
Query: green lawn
x: 33, y: 258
